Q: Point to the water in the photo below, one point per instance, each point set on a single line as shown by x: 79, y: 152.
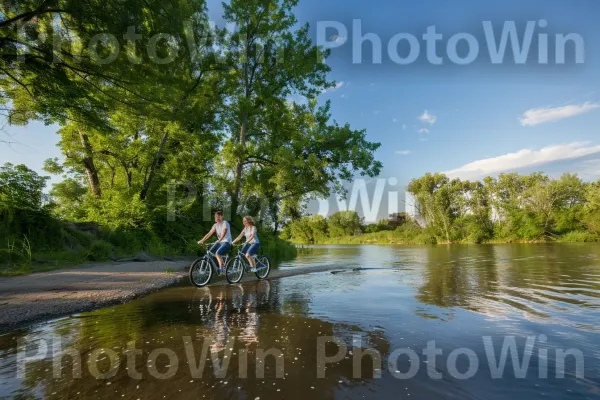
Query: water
x: 454, y: 299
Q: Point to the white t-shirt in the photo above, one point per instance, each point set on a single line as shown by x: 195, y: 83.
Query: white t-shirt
x: 249, y: 231
x: 219, y: 229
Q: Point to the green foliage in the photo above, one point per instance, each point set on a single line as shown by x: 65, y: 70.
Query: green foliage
x: 509, y: 208
x: 307, y: 230
x: 344, y: 223
x: 580, y: 237
x: 99, y: 251
x: 143, y: 141
x: 20, y: 188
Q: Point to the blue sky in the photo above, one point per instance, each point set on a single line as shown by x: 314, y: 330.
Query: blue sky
x: 446, y: 117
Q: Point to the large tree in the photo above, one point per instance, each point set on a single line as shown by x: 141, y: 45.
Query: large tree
x: 280, y: 150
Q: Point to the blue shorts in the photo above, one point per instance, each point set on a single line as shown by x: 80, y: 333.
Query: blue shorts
x: 220, y: 248
x: 251, y: 248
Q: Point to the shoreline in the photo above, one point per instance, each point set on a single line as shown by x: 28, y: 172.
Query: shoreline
x: 37, y: 298
x: 375, y: 242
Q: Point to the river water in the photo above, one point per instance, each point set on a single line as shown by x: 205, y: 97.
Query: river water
x: 439, y: 322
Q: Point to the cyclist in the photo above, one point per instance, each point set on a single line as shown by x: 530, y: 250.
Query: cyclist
x: 252, y: 243
x: 223, y: 245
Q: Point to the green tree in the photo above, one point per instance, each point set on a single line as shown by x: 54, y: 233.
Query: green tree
x: 279, y: 150
x: 438, y: 202
x: 591, y: 215
x: 344, y: 223
x: 308, y: 230
x: 21, y: 188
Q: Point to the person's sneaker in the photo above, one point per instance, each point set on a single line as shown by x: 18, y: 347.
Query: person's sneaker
x: 253, y: 269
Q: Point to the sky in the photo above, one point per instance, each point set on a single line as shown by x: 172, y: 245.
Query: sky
x: 480, y: 118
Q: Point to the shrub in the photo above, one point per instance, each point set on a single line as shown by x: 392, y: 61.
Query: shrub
x: 580, y: 237
x: 99, y: 251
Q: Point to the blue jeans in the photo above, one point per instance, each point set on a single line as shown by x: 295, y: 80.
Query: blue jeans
x: 251, y: 248
x: 220, y: 248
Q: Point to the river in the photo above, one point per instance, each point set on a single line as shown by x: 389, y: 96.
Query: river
x: 413, y: 323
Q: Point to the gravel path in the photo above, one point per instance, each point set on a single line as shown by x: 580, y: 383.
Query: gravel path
x: 37, y: 297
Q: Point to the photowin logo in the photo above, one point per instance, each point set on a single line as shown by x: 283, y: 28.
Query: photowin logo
x: 502, y: 358
x: 528, y: 43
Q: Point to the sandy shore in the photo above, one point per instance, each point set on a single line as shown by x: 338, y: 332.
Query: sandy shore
x: 38, y: 297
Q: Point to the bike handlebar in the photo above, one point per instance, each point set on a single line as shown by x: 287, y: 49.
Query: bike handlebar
x: 207, y: 244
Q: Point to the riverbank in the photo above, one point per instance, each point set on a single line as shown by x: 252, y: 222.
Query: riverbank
x: 38, y: 297
x: 392, y: 237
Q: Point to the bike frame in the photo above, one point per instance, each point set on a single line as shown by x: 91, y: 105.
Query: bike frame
x: 247, y: 267
x: 212, y: 257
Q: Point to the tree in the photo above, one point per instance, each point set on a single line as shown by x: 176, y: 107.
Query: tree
x: 21, y: 188
x: 308, y: 230
x: 591, y: 216
x: 397, y: 219
x: 280, y: 150
x: 438, y: 204
x: 344, y: 223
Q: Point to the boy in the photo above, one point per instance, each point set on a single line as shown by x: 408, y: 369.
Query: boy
x: 223, y: 244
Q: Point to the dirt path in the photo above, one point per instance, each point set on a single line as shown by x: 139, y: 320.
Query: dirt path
x: 38, y: 297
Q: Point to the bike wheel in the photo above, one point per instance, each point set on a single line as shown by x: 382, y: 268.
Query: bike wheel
x: 234, y: 270
x: 200, y: 272
x: 263, y: 267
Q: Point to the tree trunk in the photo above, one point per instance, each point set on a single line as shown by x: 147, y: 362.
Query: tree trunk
x: 88, y: 163
x: 237, y: 180
x: 148, y: 182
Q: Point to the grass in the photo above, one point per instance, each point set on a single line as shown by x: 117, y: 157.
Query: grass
x: 83, y: 248
x: 579, y: 237
x: 411, y: 235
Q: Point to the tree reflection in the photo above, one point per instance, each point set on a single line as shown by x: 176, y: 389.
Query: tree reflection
x: 256, y: 315
x: 498, y: 279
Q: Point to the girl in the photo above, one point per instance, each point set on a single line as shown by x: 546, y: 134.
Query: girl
x: 252, y: 244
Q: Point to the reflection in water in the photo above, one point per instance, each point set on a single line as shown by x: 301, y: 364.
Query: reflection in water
x: 248, y: 318
x: 404, y: 298
x: 541, y: 282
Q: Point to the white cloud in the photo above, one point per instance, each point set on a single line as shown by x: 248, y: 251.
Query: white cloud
x: 428, y: 118
x: 394, y: 120
x: 523, y: 159
x: 404, y: 127
x: 338, y: 85
x: 338, y: 39
x: 403, y: 152
x: 423, y: 130
x: 537, y: 116
x: 376, y: 112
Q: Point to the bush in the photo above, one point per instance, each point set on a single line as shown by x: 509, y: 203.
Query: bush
x: 99, y: 251
x: 274, y: 247
x: 580, y: 237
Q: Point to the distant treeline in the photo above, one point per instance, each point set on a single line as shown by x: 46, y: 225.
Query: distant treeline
x: 508, y: 208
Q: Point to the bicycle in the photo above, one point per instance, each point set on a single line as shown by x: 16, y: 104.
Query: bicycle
x: 235, y: 267
x: 201, y: 270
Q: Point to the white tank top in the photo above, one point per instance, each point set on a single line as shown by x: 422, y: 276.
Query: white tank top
x: 248, y: 232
